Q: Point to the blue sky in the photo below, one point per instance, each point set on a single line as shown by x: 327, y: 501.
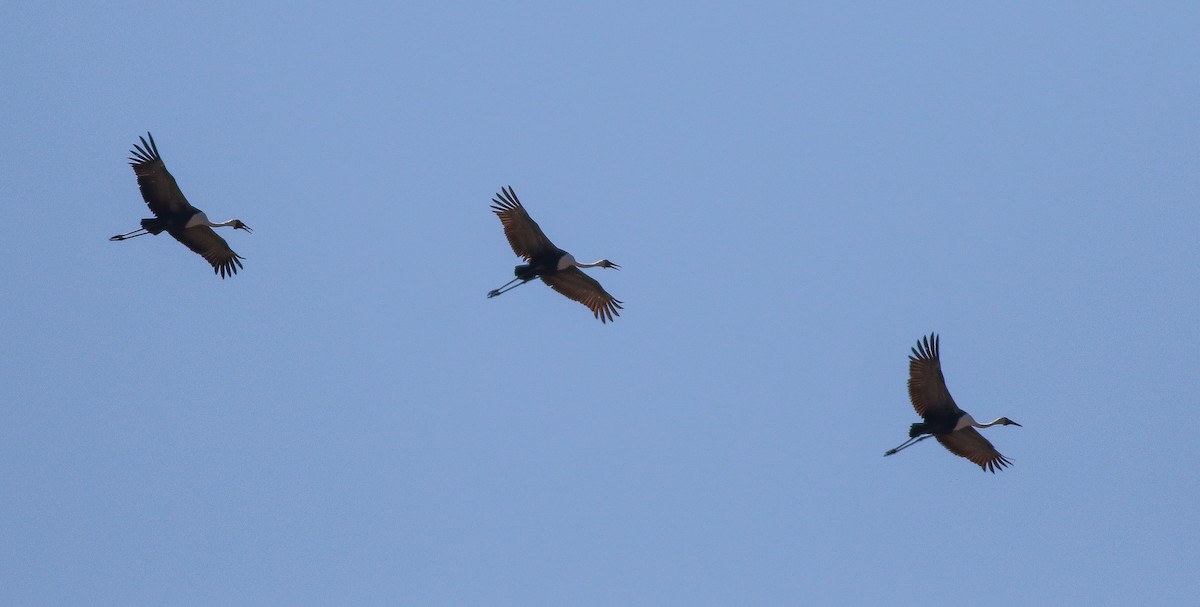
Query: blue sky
x: 796, y: 193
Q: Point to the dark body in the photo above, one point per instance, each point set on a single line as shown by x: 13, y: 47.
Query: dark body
x: 544, y: 264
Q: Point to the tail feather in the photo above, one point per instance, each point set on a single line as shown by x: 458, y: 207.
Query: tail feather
x: 918, y: 429
x: 525, y: 272
x: 154, y: 226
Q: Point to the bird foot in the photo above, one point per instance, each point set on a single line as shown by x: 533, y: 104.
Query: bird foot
x: 493, y: 293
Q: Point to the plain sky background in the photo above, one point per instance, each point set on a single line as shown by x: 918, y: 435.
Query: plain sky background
x: 796, y: 193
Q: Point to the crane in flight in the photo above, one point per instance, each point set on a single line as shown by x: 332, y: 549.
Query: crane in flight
x: 943, y: 420
x: 175, y: 215
x: 556, y: 267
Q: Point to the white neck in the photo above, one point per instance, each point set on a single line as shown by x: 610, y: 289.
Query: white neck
x: 200, y: 219
x: 568, y: 260
x: 991, y: 423
x: 967, y: 421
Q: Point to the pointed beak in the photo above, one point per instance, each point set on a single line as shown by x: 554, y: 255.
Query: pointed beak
x: 615, y: 266
x: 247, y: 228
x: 1015, y: 424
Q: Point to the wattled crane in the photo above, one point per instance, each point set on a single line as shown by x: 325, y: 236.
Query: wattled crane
x: 556, y: 267
x: 173, y: 213
x: 953, y: 427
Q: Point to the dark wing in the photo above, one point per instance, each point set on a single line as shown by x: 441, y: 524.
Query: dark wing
x: 969, y: 443
x: 204, y: 241
x: 523, y: 233
x: 926, y: 385
x: 159, y: 189
x: 584, y: 289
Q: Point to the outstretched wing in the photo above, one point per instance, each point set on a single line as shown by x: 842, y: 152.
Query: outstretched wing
x: 159, y: 189
x: 969, y: 443
x: 584, y: 289
x: 205, y: 242
x: 926, y: 385
x: 523, y: 233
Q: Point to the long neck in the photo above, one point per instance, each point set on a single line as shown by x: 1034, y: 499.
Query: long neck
x: 589, y: 265
x: 991, y: 423
x: 200, y: 219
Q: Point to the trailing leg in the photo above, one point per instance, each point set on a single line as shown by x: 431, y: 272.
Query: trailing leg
x: 908, y: 443
x: 128, y: 235
x: 506, y: 288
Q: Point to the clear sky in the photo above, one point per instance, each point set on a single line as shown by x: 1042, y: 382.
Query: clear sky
x: 795, y: 193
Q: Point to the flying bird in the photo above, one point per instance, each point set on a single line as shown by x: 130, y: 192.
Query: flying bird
x: 556, y: 267
x: 951, y: 426
x: 173, y: 213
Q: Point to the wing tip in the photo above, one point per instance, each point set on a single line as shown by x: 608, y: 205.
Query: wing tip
x: 995, y: 464
x: 507, y: 201
x: 146, y: 152
x: 926, y: 348
x: 607, y: 312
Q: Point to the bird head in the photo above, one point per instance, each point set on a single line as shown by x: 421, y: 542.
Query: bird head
x: 1008, y: 422
x: 238, y: 225
x: 604, y: 263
